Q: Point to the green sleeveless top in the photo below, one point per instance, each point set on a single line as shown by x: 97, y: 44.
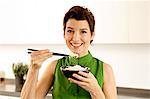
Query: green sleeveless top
x: 63, y: 89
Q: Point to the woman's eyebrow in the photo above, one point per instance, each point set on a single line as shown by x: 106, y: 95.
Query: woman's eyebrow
x: 70, y: 27
x: 80, y: 29
x: 84, y: 29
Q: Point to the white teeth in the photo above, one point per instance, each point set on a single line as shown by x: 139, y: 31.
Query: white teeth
x: 76, y: 45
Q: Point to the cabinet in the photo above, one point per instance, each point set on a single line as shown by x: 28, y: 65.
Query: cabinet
x: 123, y: 22
x: 41, y: 22
x: 149, y: 21
x: 111, y: 22
x: 138, y: 22
x: 31, y: 22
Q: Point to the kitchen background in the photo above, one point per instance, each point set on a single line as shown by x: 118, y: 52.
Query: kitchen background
x: 130, y: 62
x: 122, y: 35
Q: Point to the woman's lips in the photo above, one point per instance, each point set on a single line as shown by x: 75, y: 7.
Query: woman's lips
x: 76, y: 44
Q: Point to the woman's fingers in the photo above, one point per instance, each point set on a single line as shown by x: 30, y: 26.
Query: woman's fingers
x: 39, y: 60
x: 83, y: 74
x: 38, y: 57
x: 81, y: 78
x: 40, y: 52
x: 86, y: 80
x: 80, y: 83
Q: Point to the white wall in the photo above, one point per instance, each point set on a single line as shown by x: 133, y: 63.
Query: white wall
x: 125, y: 21
x: 130, y: 62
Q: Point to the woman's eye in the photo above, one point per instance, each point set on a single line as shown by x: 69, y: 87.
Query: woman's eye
x: 84, y: 32
x: 69, y: 31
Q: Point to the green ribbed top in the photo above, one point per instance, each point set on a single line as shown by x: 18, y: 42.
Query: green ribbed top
x: 63, y: 89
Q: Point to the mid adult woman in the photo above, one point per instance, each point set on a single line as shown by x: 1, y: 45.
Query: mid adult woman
x: 99, y: 83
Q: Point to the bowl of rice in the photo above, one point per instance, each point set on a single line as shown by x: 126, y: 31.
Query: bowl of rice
x: 68, y: 71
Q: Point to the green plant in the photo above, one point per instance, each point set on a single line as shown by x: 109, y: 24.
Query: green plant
x: 20, y: 69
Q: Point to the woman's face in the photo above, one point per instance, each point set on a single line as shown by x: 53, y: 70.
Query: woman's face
x: 78, y: 36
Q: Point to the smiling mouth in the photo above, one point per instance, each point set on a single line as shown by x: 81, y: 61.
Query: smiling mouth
x: 76, y: 45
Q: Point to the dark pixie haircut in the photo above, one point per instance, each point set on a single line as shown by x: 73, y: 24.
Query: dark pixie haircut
x: 80, y: 13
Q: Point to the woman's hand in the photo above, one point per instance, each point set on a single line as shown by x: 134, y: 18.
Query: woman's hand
x: 38, y: 57
x: 87, y: 81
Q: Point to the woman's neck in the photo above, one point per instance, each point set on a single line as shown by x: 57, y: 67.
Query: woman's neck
x: 83, y: 54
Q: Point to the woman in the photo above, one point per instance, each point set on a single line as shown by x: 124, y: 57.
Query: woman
x: 99, y: 83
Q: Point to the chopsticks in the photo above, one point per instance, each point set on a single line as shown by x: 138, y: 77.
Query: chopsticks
x: 57, y: 54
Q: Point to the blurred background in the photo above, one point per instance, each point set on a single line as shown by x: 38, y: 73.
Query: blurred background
x: 122, y: 39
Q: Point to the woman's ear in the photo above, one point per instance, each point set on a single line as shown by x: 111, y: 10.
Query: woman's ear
x: 93, y: 35
x: 64, y: 35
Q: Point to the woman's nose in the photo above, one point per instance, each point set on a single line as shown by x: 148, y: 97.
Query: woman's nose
x: 76, y: 36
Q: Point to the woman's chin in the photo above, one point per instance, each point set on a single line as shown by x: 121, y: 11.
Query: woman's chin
x: 76, y: 51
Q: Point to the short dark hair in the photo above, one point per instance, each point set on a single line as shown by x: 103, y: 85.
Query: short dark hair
x: 80, y: 13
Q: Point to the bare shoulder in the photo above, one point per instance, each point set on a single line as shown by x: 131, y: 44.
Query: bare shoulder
x: 51, y: 66
x: 54, y: 62
x: 109, y: 86
x: 45, y: 82
x: 49, y: 70
x: 108, y: 73
x: 107, y: 68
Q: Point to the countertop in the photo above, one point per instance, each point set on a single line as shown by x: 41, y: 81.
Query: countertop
x: 7, y: 88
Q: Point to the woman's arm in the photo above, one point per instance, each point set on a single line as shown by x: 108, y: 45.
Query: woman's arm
x: 34, y: 89
x: 28, y: 90
x: 45, y: 83
x: 89, y: 83
x: 109, y: 87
